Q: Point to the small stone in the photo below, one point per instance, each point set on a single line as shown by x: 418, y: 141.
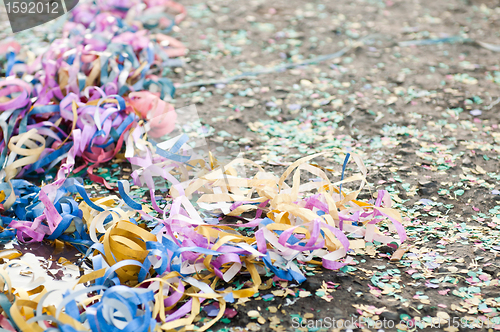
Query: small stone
x: 426, y: 188
x: 401, y: 78
x: 490, y: 270
x: 428, y: 183
x: 386, y: 249
x: 311, y: 285
x: 405, y: 152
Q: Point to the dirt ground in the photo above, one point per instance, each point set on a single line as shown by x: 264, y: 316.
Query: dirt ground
x: 423, y: 117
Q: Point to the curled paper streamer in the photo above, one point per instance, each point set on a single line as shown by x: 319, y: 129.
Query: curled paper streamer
x: 150, y: 267
x: 160, y: 115
x: 293, y: 220
x: 184, y: 257
x: 10, y: 46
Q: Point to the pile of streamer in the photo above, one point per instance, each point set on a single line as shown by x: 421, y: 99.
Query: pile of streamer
x: 87, y: 100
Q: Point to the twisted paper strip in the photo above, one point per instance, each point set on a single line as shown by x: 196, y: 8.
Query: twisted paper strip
x: 84, y: 56
x: 191, y: 263
x: 94, y: 131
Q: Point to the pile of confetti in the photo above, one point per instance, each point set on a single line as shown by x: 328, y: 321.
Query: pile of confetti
x: 96, y: 95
